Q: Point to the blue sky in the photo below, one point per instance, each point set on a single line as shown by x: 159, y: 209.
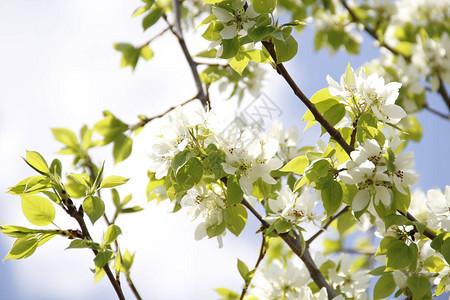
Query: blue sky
x: 58, y: 69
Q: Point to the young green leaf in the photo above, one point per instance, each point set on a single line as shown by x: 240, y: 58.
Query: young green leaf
x: 242, y: 268
x: 398, y: 255
x: 112, y: 181
x: 234, y: 191
x: 111, y: 234
x: 38, y: 210
x: 332, y: 197
x: 22, y: 248
x: 37, y: 162
x: 94, y: 207
x: 235, y: 218
x: 123, y: 146
x: 102, y: 258
x: 384, y: 287
x: 297, y: 165
x: 66, y: 136
x: 264, y: 6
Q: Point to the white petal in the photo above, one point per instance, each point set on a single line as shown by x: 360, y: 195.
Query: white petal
x: 228, y: 32
x: 222, y: 14
x: 394, y: 111
x: 383, y: 195
x: 361, y: 200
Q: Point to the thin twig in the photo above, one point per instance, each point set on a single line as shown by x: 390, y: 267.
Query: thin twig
x: 353, y: 136
x: 372, y: 32
x: 324, y: 228
x: 438, y: 113
x: 144, y: 121
x: 443, y: 91
x: 177, y: 31
x: 336, y: 135
x: 294, y: 242
x: 155, y: 37
x: 262, y: 253
x: 92, y: 174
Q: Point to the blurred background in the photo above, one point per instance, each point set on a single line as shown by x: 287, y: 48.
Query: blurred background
x: 58, y: 68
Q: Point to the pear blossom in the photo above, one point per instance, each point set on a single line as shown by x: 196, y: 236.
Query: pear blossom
x: 438, y: 205
x: 294, y: 208
x: 287, y: 139
x: 401, y: 176
x: 365, y: 170
x: 204, y: 204
x: 350, y: 283
x: 251, y: 161
x: 279, y: 282
x: 236, y: 22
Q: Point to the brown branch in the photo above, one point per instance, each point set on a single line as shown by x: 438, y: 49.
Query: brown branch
x: 298, y: 92
x: 177, y: 31
x: 144, y: 121
x: 438, y: 113
x: 372, y: 32
x: 92, y: 174
x: 332, y: 218
x: 427, y: 232
x: 78, y: 215
x: 155, y: 37
x: 294, y: 242
x: 262, y: 253
x: 443, y: 91
x: 353, y: 136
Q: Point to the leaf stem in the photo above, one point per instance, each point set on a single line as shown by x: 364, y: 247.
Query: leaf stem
x: 328, y: 223
x: 262, y: 253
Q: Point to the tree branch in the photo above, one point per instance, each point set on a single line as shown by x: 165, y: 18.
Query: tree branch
x: 332, y: 218
x: 144, y: 121
x: 177, y: 31
x: 372, y: 32
x: 294, y: 242
x: 427, y: 232
x: 443, y: 91
x: 438, y: 113
x: 298, y: 92
x: 262, y: 253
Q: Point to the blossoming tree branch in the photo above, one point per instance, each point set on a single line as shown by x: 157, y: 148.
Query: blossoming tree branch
x: 355, y: 182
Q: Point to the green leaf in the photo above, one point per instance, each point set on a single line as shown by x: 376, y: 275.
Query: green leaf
x: 230, y: 48
x: 102, y: 258
x: 320, y: 168
x: 345, y: 223
x: 37, y: 162
x: 215, y: 229
x: 111, y: 234
x: 146, y: 52
x: 282, y: 226
x: 66, y: 136
x: 297, y: 165
x: 418, y: 285
x: 31, y: 185
x: 285, y: 50
x: 152, y: 184
x: 130, y: 54
x: 127, y: 260
x: 332, y: 197
x: 384, y: 287
x: 38, y: 210
x: 212, y: 33
x: 234, y: 191
x: 215, y: 159
x: 82, y: 179
x: 335, y: 113
x: 94, y: 207
x: 207, y: 54
x: 235, y: 218
x: 79, y: 244
x: 17, y: 231
x: 239, y: 62
x: 226, y: 293
x: 434, y: 264
x: 56, y: 167
x: 264, y: 6
x: 110, y: 127
x: 398, y: 255
x: 261, y: 33
x: 242, y: 268
x: 22, y: 248
x: 445, y: 250
x: 190, y: 173
x: 153, y: 17
x: 122, y: 148
x: 112, y: 181
x: 259, y: 56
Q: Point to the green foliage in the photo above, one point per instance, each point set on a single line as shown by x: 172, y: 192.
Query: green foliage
x: 235, y: 218
x: 234, y: 191
x: 419, y: 286
x: 332, y: 197
x: 111, y: 234
x: 94, y: 207
x: 297, y: 165
x: 384, y: 287
x: 112, y: 181
x: 37, y: 162
x: 398, y: 255
x: 264, y: 6
x: 38, y: 210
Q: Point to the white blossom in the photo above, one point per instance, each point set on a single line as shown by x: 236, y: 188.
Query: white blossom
x: 438, y: 205
x: 294, y: 208
x: 236, y: 23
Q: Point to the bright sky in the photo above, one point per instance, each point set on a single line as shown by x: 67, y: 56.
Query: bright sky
x: 58, y: 69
